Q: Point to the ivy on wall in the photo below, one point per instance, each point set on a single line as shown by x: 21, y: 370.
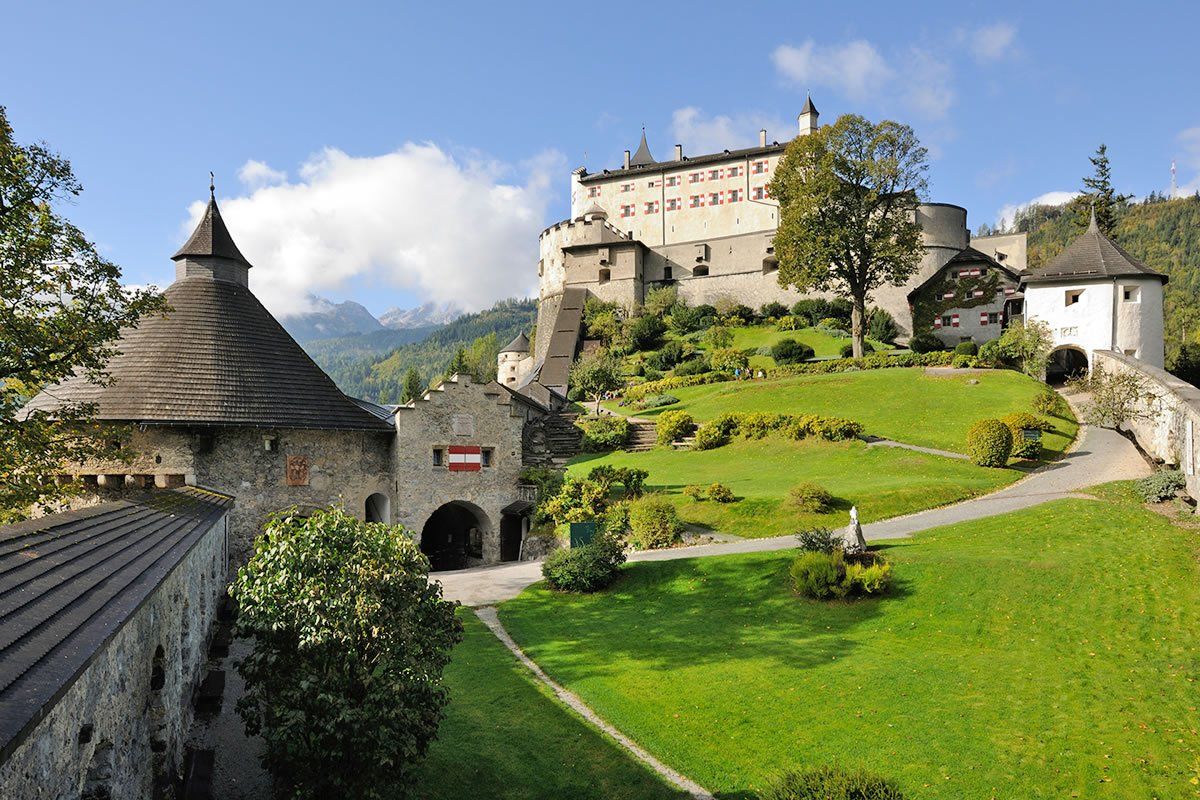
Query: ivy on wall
x: 929, y: 302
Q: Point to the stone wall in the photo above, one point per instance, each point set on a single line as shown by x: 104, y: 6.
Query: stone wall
x: 111, y: 730
x: 1169, y: 432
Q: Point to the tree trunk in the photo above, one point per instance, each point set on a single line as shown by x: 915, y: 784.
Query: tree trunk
x: 858, y: 313
x: 598, y: 396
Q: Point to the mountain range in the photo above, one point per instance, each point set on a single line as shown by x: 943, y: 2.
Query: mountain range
x: 330, y: 320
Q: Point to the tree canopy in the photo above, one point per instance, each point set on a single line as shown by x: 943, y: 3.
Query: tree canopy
x: 62, y: 307
x: 1099, y: 195
x: 848, y: 195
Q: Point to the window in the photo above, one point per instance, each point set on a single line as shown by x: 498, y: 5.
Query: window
x: 947, y: 320
x: 758, y: 167
x: 674, y: 204
x: 627, y: 211
x: 758, y: 193
x: 735, y: 195
x: 977, y: 293
x: 989, y: 318
x: 439, y: 457
x: 652, y: 207
x: 714, y: 174
x: 1073, y: 296
x: 953, y: 274
x: 485, y: 457
x: 605, y: 275
x: 593, y: 191
x: 652, y: 184
x: 697, y: 201
x: 626, y: 187
x: 714, y: 198
x: 1131, y: 294
x: 700, y: 271
x: 733, y: 172
x: 672, y: 180
x: 695, y: 177
x: 668, y: 274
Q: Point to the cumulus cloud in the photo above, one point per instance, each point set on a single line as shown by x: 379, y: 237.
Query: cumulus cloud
x: 702, y: 133
x: 855, y: 68
x: 1055, y: 198
x: 928, y: 84
x: 1189, y: 142
x: 254, y: 174
x: 990, y: 42
x: 453, y: 230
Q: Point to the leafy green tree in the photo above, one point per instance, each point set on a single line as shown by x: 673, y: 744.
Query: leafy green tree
x: 1098, y: 194
x: 595, y: 374
x: 414, y: 387
x: 62, y: 307
x: 848, y: 195
x: 350, y: 639
x: 481, y: 358
x: 1186, y: 363
x: 1029, y: 344
x: 718, y: 337
x: 660, y: 301
x: 1117, y: 398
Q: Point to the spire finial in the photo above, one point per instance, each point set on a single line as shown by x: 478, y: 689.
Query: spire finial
x: 212, y: 186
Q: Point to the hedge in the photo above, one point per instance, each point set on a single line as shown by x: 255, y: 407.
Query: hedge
x: 755, y: 425
x: 635, y: 393
x: 940, y: 358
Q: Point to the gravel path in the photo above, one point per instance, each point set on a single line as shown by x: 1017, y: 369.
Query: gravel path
x: 1099, y: 455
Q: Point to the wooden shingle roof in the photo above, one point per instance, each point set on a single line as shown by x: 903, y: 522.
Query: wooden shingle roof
x: 1092, y: 255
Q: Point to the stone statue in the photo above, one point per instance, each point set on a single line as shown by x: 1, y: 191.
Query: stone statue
x: 853, y: 541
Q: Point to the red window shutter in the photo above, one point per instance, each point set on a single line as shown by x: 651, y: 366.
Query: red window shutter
x: 937, y: 322
x: 954, y: 320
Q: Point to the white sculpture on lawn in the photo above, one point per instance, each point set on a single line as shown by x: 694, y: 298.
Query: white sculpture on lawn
x: 853, y: 541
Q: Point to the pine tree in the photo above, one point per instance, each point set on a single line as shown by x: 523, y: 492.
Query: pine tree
x: 413, y: 387
x: 459, y: 363
x: 1098, y: 193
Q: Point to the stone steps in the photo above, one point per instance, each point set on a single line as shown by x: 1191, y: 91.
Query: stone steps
x: 643, y: 436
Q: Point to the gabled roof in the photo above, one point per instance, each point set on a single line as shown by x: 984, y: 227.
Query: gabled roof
x: 642, y: 157
x: 518, y: 345
x: 1091, y: 255
x: 211, y: 238
x: 968, y: 255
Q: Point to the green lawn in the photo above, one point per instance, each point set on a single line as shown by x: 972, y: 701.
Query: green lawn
x: 1050, y: 653
x: 506, y: 736
x: 903, y: 404
x: 882, y: 481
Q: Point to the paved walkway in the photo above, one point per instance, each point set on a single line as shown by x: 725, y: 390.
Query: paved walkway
x: 1099, y: 455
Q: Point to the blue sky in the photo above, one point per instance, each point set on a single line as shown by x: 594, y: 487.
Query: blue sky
x: 398, y: 153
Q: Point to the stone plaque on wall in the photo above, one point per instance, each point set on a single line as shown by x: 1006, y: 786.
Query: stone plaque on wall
x: 463, y: 425
x: 297, y: 470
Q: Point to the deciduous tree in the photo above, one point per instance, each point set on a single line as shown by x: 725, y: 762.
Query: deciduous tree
x: 595, y: 374
x: 848, y: 195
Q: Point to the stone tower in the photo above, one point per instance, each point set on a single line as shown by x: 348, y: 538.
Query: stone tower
x: 514, y: 362
x: 808, y: 117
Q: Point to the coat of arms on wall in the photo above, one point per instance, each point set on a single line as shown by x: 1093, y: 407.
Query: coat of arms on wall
x: 297, y: 470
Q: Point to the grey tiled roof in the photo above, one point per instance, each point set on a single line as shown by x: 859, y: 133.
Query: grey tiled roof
x: 1092, y: 255
x: 809, y: 108
x: 692, y: 161
x: 218, y: 358
x: 642, y: 157
x: 69, y: 582
x: 520, y: 344
x: 211, y: 239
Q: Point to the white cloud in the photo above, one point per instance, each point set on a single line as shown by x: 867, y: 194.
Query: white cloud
x: 254, y: 174
x: 928, y: 84
x: 855, y: 68
x: 700, y: 133
x: 991, y: 42
x: 1055, y: 198
x: 451, y: 230
x: 1189, y: 141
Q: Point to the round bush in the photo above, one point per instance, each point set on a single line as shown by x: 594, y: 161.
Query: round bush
x: 964, y: 362
x: 584, y: 569
x: 789, y: 351
x: 653, y: 523
x: 773, y: 309
x: 695, y: 492
x: 831, y: 783
x: 989, y: 443
x: 810, y: 498
x: 696, y: 365
x: 966, y: 349
x: 729, y: 359
x: 673, y: 425
x: 821, y: 576
x: 847, y: 350
x: 720, y: 493
x: 925, y: 343
x: 709, y: 437
x: 601, y: 434
x: 989, y: 351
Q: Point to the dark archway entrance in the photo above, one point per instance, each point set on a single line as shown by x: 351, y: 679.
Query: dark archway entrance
x: 511, y: 530
x: 453, y: 536
x: 1066, y: 363
x: 378, y: 508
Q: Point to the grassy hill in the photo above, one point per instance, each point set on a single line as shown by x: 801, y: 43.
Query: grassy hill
x: 1163, y: 234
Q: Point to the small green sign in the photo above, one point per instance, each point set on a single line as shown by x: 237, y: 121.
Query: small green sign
x: 1031, y: 435
x: 582, y: 533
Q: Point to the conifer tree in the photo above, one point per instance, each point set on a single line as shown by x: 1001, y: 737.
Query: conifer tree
x: 1098, y: 193
x: 413, y: 387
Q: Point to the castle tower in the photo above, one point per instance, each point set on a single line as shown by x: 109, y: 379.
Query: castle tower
x: 808, y: 117
x: 513, y: 362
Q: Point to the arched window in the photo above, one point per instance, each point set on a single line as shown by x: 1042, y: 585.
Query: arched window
x: 378, y: 508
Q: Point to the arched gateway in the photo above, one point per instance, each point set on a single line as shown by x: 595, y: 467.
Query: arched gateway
x: 453, y: 537
x: 1066, y: 363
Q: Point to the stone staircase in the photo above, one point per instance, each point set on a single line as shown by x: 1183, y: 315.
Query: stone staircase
x: 643, y: 435
x: 562, y: 438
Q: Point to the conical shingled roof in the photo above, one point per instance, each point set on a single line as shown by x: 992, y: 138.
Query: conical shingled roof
x: 518, y: 345
x: 217, y: 358
x: 211, y: 238
x: 809, y: 108
x: 642, y: 157
x: 1092, y: 255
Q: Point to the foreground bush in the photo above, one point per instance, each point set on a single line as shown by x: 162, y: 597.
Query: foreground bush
x: 585, y: 569
x: 708, y: 437
x: 810, y: 498
x: 720, y: 493
x: 632, y: 478
x: 604, y: 433
x: 653, y: 523
x: 1160, y: 486
x: 577, y: 501
x: 925, y: 343
x: 1020, y: 421
x: 989, y: 443
x: 828, y: 574
x: 830, y: 783
x: 673, y: 425
x: 790, y: 351
x: 344, y: 684
x: 966, y: 349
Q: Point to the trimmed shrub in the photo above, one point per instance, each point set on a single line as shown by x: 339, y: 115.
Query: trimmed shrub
x: 818, y: 540
x: 658, y: 401
x: 695, y: 492
x: 729, y: 359
x: 989, y: 443
x: 673, y: 425
x: 1023, y: 420
x: 653, y: 523
x: 720, y: 493
x: 696, y: 365
x: 658, y: 386
x: 773, y: 309
x: 966, y: 349
x: 601, y: 434
x: 830, y: 783
x: 847, y: 350
x: 1049, y: 402
x: 789, y: 351
x: 810, y: 498
x: 709, y: 437
x: 584, y: 569
x: 872, y: 361
x: 964, y: 362
x: 1160, y: 486
x: 821, y: 576
x: 1020, y: 421
x: 925, y: 343
x: 881, y: 327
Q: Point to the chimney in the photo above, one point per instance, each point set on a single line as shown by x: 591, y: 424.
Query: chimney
x: 762, y: 138
x: 626, y: 159
x: 679, y: 152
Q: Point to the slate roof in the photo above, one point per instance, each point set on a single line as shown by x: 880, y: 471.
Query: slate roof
x: 968, y: 255
x: 809, y: 108
x: 518, y: 345
x: 688, y: 161
x: 211, y: 239
x: 642, y: 157
x: 1091, y: 255
x: 69, y: 582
